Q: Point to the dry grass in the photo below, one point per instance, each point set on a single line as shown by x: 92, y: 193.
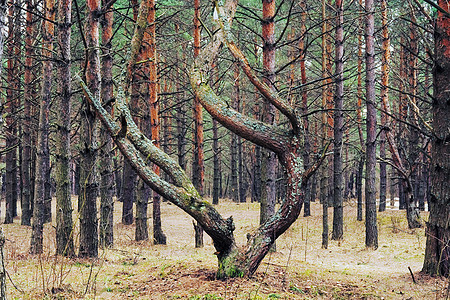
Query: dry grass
x: 300, y: 269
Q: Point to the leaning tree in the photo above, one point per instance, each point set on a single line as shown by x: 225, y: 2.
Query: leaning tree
x: 287, y: 144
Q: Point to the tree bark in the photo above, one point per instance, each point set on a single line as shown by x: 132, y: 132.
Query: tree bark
x: 269, y: 160
x: 371, y: 123
x: 198, y: 168
x: 326, y: 77
x: 128, y: 193
x: 27, y: 119
x: 403, y: 114
x: 106, y: 232
x: 142, y: 196
x: 413, y: 213
x: 64, y: 224
x: 338, y: 209
x: 304, y: 104
x: 437, y: 251
x: 234, y: 185
x: 11, y: 142
x: 242, y: 174
x: 159, y: 237
x: 43, y: 152
x: 217, y: 174
x: 359, y: 188
x: 256, y: 171
x: 360, y: 168
x: 87, y: 200
x: 384, y: 94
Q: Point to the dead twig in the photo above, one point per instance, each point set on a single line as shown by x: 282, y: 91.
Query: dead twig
x: 412, y: 275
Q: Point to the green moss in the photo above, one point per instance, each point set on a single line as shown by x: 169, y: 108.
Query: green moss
x: 228, y: 267
x: 229, y: 272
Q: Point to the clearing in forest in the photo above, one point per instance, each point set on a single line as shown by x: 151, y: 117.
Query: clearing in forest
x: 299, y: 269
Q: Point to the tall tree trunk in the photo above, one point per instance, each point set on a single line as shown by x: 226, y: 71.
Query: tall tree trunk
x: 141, y: 95
x: 359, y: 188
x: 304, y: 104
x: 216, y: 153
x: 17, y: 96
x: 329, y: 98
x: 412, y: 210
x: 118, y: 165
x: 256, y: 170
x: 385, y: 61
x: 198, y: 160
x: 27, y: 119
x: 360, y: 168
x: 256, y: 184
x: 269, y: 160
x: 243, y: 185
x: 128, y: 193
x: 48, y: 193
x: 437, y: 251
x: 130, y: 181
x: 43, y: 155
x: 405, y: 186
x: 64, y: 224
x: 241, y: 170
x: 142, y: 195
x: 87, y: 200
x: 129, y: 177
x: 106, y: 233
x: 181, y: 115
x: 216, y: 148
x: 423, y: 184
x: 371, y: 123
x: 403, y: 115
x: 234, y: 185
x: 181, y: 133
x: 324, y: 180
x: 4, y: 25
x: 11, y: 121
x: 338, y: 212
x: 241, y: 163
x: 159, y: 237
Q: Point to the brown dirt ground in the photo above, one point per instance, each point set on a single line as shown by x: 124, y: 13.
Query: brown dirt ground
x: 300, y: 269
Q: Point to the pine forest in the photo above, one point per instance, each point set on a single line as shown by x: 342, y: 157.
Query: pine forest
x: 224, y: 149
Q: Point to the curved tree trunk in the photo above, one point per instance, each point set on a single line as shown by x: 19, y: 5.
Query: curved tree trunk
x: 287, y: 144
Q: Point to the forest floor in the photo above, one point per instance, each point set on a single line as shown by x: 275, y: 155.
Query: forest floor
x: 300, y: 269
